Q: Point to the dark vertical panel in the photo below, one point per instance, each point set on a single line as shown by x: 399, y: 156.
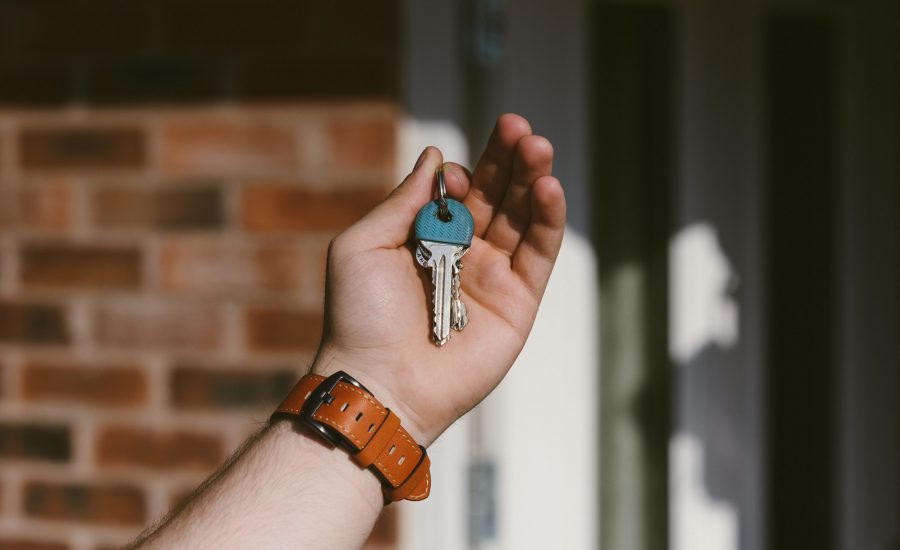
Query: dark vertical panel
x: 182, y: 51
x: 633, y: 148
x: 801, y: 173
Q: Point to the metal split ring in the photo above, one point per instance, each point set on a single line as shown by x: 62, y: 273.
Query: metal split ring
x: 443, y: 207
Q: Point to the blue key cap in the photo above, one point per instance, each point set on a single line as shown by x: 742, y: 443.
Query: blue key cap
x: 459, y: 230
x: 443, y: 239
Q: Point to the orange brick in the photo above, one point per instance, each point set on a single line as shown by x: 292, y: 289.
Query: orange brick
x: 229, y: 148
x: 282, y: 329
x: 80, y: 266
x: 42, y: 207
x: 203, y: 388
x: 81, y: 148
x: 97, y: 386
x: 158, y: 449
x: 33, y: 323
x: 362, y: 143
x: 155, y: 325
x: 81, y: 502
x: 154, y: 208
x: 48, y: 206
x: 205, y: 266
x: 274, y: 207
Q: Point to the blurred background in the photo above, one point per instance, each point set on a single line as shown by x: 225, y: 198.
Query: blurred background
x: 715, y: 366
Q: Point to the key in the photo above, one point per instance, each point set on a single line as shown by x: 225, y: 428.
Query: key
x: 444, y: 229
x: 459, y: 317
x: 440, y: 259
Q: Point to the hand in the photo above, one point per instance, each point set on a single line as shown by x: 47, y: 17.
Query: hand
x: 378, y: 318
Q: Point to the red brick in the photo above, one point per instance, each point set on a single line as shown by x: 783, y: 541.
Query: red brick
x: 282, y: 329
x: 204, y: 266
x: 96, y: 386
x: 362, y: 144
x: 198, y: 388
x: 228, y: 148
x: 10, y: 543
x: 81, y: 502
x: 35, y: 442
x: 157, y: 449
x: 81, y: 148
x: 32, y: 323
x: 42, y: 207
x: 155, y: 325
x: 158, y: 208
x: 275, y: 207
x: 80, y: 266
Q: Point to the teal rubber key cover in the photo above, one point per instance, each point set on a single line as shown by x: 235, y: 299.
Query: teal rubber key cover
x: 459, y: 230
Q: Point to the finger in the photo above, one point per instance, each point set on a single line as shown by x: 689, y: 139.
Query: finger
x: 457, y: 179
x: 389, y: 224
x: 534, y: 258
x: 533, y: 159
x: 493, y: 171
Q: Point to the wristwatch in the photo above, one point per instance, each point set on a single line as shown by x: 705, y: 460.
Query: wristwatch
x: 344, y: 413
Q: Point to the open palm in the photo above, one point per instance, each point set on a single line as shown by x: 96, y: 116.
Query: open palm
x: 378, y: 318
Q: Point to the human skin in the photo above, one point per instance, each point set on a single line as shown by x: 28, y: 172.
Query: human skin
x: 284, y: 488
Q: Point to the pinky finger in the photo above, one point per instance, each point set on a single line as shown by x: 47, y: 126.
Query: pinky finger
x: 534, y: 258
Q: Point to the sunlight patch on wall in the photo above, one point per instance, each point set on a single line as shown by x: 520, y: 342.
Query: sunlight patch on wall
x: 703, y: 311
x: 414, y: 135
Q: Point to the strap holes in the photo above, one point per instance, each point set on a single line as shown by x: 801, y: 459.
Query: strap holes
x: 391, y: 451
x: 371, y: 427
x: 344, y: 407
x: 400, y: 462
x: 358, y: 417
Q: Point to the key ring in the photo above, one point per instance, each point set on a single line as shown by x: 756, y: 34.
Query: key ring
x: 443, y: 207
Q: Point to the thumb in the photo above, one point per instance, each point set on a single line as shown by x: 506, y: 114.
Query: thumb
x: 388, y: 224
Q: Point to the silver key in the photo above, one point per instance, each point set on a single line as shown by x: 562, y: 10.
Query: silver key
x: 459, y: 317
x: 440, y: 259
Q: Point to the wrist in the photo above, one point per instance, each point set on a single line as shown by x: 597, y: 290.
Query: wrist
x: 340, y: 410
x: 379, y: 377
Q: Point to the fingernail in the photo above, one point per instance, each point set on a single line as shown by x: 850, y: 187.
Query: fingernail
x: 421, y: 160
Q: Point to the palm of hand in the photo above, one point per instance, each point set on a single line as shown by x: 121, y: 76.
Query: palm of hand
x: 379, y: 311
x: 381, y: 306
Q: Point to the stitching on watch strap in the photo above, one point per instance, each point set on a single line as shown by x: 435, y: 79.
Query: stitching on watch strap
x: 391, y: 473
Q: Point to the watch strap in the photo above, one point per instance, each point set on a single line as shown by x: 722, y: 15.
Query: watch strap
x: 348, y: 413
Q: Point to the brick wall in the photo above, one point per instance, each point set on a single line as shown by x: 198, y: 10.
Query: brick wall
x: 161, y: 277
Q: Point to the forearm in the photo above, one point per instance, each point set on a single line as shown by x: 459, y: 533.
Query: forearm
x: 283, y: 490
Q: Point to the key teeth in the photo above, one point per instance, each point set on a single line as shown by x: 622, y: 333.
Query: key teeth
x: 436, y: 334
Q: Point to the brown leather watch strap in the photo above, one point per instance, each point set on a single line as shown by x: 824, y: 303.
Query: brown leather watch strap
x: 343, y: 411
